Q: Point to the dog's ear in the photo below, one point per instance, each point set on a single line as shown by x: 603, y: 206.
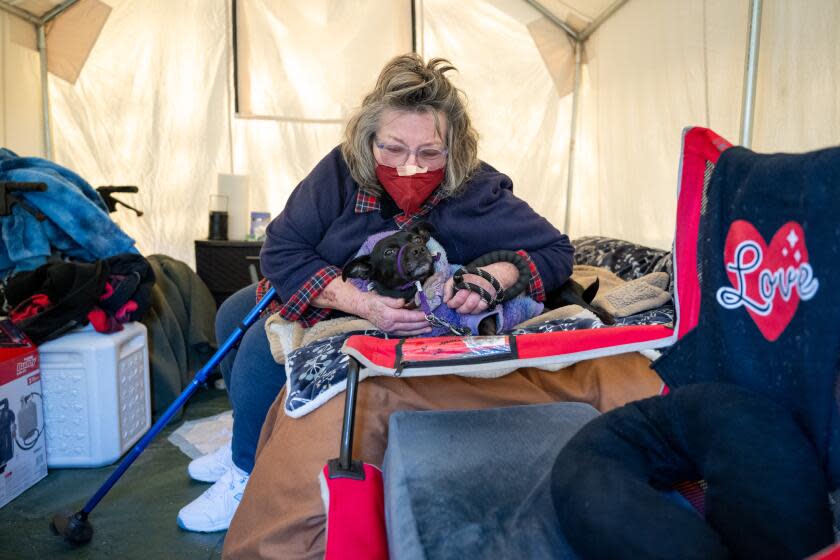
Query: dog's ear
x: 589, y: 293
x: 424, y: 230
x: 359, y: 267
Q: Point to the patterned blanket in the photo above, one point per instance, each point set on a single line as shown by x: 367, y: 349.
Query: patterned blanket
x: 317, y: 371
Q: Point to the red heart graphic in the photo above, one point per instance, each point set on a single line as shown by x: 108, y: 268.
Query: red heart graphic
x: 770, y: 278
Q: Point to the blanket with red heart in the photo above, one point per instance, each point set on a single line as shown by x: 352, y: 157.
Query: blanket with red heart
x: 763, y: 308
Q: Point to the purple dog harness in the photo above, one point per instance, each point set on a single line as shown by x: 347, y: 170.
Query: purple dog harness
x: 434, y: 320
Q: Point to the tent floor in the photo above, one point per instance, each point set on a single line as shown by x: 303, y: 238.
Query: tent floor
x: 135, y: 520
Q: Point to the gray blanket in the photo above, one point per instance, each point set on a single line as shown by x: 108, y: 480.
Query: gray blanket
x: 181, y: 328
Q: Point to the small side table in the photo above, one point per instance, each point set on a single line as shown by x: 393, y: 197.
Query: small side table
x: 227, y: 266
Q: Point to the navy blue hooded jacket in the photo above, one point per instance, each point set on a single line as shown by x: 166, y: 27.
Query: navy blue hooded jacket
x: 323, y: 226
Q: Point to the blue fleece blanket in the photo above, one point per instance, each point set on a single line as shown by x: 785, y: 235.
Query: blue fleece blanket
x: 770, y: 262
x: 77, y: 224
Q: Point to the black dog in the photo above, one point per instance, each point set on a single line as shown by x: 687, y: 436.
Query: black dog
x: 572, y: 293
x: 395, y: 263
x: 398, y: 261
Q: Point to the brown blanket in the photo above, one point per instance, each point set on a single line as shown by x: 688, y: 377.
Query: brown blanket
x: 282, y: 516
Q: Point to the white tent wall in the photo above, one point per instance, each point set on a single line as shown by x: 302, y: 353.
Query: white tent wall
x: 315, y: 60
x: 302, y: 68
x: 658, y: 65
x: 276, y: 155
x: 500, y: 69
x: 21, y: 108
x: 523, y: 121
x: 151, y: 108
x: 153, y: 104
x: 653, y: 68
x: 798, y: 86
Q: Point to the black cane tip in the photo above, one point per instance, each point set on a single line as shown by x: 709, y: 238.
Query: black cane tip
x: 74, y: 527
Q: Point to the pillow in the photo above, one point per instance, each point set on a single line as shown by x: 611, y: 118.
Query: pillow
x: 625, y: 259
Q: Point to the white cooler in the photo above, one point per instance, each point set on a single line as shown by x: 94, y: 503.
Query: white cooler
x: 97, y: 400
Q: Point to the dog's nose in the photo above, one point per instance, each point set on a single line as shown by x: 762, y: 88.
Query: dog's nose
x: 418, y: 251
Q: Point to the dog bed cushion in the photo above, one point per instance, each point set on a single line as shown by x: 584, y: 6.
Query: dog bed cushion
x: 476, y: 483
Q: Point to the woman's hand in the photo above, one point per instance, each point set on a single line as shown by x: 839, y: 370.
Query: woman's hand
x: 388, y: 315
x: 470, y: 303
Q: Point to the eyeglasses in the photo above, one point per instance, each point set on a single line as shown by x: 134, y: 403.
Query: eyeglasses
x: 395, y: 155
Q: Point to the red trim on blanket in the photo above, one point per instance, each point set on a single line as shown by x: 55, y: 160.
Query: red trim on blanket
x: 700, y: 145
x: 382, y: 353
x: 541, y: 345
x: 830, y: 553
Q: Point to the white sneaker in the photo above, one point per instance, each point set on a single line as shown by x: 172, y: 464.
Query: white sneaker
x: 213, y: 510
x: 211, y: 467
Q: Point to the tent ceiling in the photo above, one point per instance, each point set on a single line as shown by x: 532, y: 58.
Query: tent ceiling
x: 576, y: 14
x: 578, y: 18
x: 35, y: 8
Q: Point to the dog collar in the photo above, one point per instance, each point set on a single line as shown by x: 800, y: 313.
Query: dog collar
x: 406, y: 291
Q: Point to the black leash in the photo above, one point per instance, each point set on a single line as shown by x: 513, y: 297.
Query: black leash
x: 434, y: 320
x: 501, y: 295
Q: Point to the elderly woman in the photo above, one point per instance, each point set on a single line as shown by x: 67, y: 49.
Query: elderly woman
x: 409, y: 155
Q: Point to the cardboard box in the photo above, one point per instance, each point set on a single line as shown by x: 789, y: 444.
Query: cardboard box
x: 23, y: 448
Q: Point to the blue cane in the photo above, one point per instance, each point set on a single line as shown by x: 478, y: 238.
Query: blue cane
x: 75, y: 527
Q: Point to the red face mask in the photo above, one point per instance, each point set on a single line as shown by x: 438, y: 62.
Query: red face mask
x: 409, y: 191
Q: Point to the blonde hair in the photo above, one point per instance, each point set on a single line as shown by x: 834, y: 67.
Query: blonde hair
x: 407, y: 84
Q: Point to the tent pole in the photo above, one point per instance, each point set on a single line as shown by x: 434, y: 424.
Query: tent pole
x: 45, y: 94
x: 553, y: 19
x: 413, y: 27
x: 232, y: 76
x: 750, y: 74
x: 573, y: 137
x: 598, y: 21
x: 22, y: 14
x: 235, y: 46
x: 57, y: 11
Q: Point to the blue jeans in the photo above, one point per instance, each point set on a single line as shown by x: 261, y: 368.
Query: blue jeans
x: 252, y: 377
